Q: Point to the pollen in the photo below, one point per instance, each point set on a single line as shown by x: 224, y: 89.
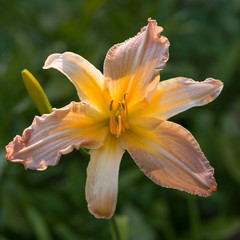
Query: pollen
x: 118, y: 120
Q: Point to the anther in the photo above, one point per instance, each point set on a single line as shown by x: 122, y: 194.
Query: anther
x: 111, y: 105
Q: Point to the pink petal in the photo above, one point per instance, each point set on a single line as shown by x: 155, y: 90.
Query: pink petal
x: 52, y: 135
x: 102, y: 178
x: 86, y: 78
x: 133, y: 66
x: 170, y: 156
x: 176, y: 95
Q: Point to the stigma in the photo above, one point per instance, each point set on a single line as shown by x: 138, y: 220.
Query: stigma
x: 118, y: 121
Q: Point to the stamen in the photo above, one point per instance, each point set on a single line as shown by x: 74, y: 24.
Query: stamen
x: 114, y: 124
x: 118, y: 119
x: 123, y: 117
x: 111, y: 123
x: 119, y: 125
x: 111, y: 105
x: 127, y: 119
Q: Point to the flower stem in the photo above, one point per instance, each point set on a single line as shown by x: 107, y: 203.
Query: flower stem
x: 84, y: 152
x: 115, y: 229
x: 194, y: 218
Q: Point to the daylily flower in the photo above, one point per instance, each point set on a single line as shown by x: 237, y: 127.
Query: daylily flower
x: 124, y: 109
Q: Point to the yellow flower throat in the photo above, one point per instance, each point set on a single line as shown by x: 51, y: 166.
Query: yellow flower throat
x: 119, y: 121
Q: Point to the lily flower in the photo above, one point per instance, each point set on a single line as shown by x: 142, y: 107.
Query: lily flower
x: 124, y: 109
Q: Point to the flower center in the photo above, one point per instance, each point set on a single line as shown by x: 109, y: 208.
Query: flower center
x: 119, y: 121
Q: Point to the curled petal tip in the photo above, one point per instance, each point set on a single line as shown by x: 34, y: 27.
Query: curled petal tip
x: 213, y: 189
x: 150, y: 20
x: 219, y: 84
x: 214, y: 81
x: 217, y: 87
x: 210, y: 190
x: 153, y: 23
x: 50, y: 59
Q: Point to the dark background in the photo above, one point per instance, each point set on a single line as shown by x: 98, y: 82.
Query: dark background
x: 205, y: 42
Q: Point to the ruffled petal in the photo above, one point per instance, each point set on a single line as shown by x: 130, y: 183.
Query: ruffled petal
x: 179, y: 94
x: 86, y: 78
x: 170, y: 156
x: 133, y: 66
x: 102, y: 178
x: 52, y: 135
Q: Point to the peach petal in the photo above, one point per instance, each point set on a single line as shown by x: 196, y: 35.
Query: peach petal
x: 170, y: 156
x: 102, y: 178
x: 86, y: 78
x: 133, y: 66
x: 176, y: 95
x: 179, y: 94
x: 52, y: 135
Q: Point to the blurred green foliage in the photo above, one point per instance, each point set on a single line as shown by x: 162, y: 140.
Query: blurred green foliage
x: 205, y: 41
